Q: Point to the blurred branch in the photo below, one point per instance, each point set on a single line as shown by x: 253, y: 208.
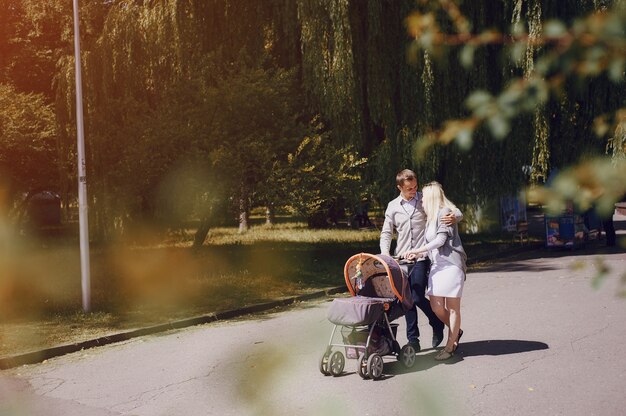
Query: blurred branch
x: 592, y: 46
x: 616, y: 146
x: 597, y: 183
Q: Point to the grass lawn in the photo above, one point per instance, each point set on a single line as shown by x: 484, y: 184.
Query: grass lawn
x: 139, y: 285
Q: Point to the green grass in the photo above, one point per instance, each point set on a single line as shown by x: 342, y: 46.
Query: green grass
x: 134, y: 285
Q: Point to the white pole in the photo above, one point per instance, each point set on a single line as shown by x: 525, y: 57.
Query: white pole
x: 82, y: 172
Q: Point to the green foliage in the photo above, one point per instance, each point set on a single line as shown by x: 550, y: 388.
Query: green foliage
x: 27, y: 133
x: 226, y: 89
x: 318, y: 177
x: 161, y: 95
x: 591, y: 46
x: 616, y: 146
x: 563, y: 65
x: 255, y: 124
x: 595, y: 183
x: 36, y: 32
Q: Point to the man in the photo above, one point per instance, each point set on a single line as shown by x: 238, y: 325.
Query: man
x: 406, y: 216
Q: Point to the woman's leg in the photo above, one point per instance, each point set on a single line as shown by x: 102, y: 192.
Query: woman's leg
x: 453, y: 307
x: 437, y: 303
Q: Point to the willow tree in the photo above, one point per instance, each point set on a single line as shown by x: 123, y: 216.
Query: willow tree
x: 27, y: 134
x: 153, y: 72
x: 571, y: 84
x: 35, y: 42
x: 356, y: 71
x: 152, y: 79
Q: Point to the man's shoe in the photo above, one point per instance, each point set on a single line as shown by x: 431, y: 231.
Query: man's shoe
x: 437, y: 338
x: 415, y: 345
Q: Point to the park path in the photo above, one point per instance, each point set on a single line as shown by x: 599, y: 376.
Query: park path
x: 538, y: 340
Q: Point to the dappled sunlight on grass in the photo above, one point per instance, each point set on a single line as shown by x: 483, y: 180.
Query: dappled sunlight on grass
x: 144, y: 282
x: 150, y: 279
x: 33, y: 282
x: 40, y: 285
x: 289, y: 232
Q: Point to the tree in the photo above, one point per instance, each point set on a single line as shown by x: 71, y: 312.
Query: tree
x: 318, y: 177
x: 36, y: 40
x: 260, y: 121
x: 27, y: 135
x: 169, y: 82
x: 561, y: 62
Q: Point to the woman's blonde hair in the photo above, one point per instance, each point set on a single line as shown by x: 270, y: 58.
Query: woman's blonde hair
x: 433, y: 199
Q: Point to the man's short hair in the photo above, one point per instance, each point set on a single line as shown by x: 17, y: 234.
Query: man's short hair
x: 405, y: 175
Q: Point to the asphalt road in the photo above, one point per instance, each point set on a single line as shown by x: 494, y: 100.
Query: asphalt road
x: 539, y: 340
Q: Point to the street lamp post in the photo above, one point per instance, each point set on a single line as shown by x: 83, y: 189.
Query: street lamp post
x: 82, y: 172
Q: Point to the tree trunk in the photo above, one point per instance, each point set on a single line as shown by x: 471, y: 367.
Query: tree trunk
x: 244, y: 209
x: 269, y: 215
x: 243, y: 214
x: 201, y: 233
x: 205, y: 225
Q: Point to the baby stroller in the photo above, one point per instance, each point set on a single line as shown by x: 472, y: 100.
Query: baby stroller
x: 380, y: 294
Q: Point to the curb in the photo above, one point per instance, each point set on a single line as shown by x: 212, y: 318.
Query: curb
x: 47, y: 353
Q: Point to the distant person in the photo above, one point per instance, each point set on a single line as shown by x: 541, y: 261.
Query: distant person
x: 361, y: 216
x: 405, y: 215
x: 447, y: 271
x: 593, y: 218
x: 609, y: 230
x: 609, y: 227
x: 364, y: 207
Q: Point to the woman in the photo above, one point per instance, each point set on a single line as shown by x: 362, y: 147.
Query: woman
x: 447, y: 270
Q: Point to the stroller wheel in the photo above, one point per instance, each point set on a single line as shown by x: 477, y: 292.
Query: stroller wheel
x: 407, y: 356
x: 375, y: 366
x: 324, y: 364
x: 362, y: 367
x: 336, y: 363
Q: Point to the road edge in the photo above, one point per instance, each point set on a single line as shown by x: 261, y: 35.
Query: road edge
x: 38, y: 356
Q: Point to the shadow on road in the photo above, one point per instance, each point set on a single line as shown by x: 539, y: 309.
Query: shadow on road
x: 518, y: 263
x: 513, y: 266
x: 499, y: 347
x: 466, y: 349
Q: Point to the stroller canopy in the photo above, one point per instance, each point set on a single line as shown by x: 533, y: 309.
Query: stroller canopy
x: 377, y: 276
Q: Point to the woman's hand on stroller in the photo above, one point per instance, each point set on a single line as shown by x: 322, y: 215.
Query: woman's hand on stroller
x: 412, y: 255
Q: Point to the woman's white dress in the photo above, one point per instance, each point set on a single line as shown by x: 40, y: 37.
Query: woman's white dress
x: 447, y: 270
x: 446, y: 280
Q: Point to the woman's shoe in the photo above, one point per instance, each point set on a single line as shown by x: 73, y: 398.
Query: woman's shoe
x: 458, y: 339
x: 444, y: 355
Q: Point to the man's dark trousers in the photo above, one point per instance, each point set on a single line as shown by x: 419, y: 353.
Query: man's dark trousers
x: 418, y: 280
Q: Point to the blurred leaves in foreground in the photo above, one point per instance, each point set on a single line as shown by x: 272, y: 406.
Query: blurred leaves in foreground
x: 602, y: 272
x: 597, y: 183
x: 592, y: 46
x: 549, y: 58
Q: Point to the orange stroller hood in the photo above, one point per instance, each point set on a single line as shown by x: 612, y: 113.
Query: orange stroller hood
x: 377, y: 275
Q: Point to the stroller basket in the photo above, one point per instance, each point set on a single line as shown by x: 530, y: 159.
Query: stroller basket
x: 358, y: 310
x: 356, y: 341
